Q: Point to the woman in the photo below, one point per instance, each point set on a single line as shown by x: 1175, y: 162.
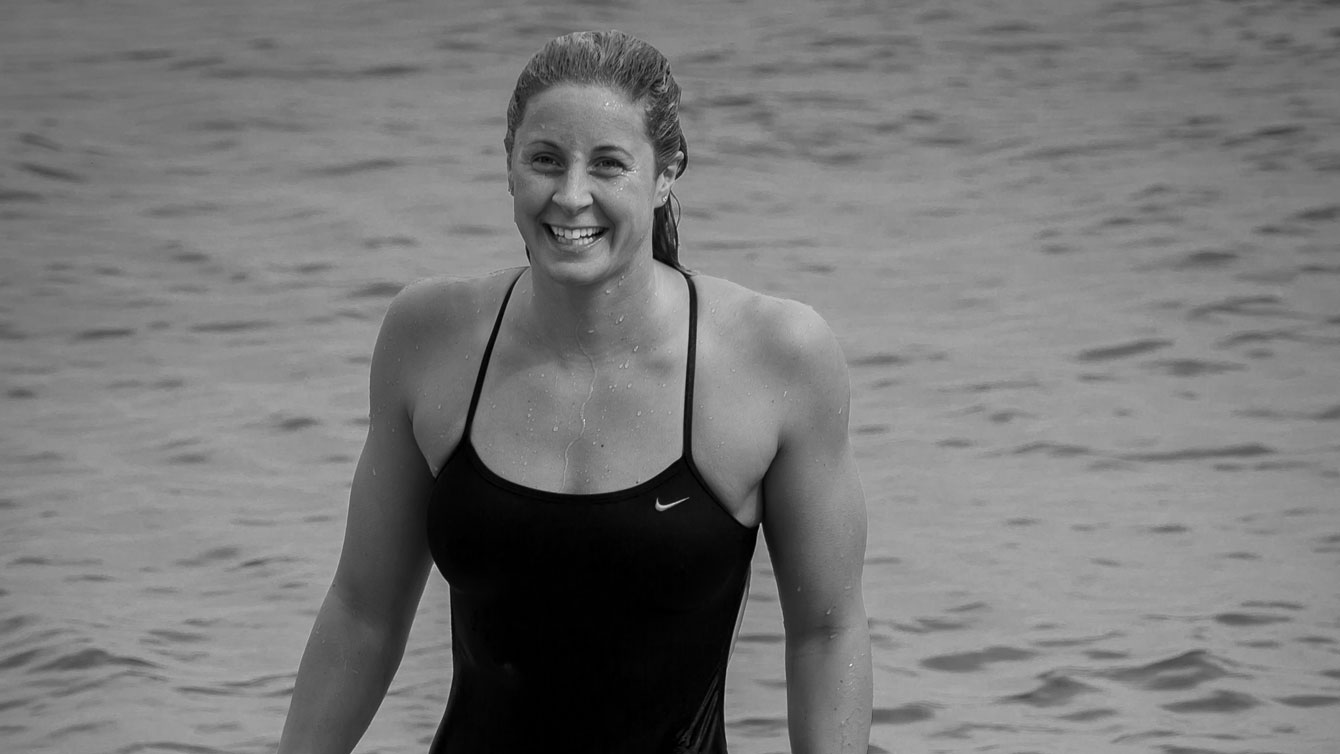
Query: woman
x: 593, y: 442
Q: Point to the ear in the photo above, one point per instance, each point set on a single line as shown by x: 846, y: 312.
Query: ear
x: 666, y: 179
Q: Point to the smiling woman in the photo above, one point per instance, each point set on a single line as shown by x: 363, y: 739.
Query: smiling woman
x: 583, y: 175
x: 536, y: 434
x: 639, y: 72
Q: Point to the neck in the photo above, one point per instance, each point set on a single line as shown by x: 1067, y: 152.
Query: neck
x: 605, y: 320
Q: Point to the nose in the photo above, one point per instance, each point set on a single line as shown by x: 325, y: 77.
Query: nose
x: 573, y: 192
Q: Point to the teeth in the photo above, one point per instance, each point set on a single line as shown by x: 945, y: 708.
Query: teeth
x: 572, y: 234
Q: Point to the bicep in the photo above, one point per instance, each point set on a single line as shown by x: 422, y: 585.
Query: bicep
x: 384, y: 559
x: 814, y: 515
x: 815, y: 525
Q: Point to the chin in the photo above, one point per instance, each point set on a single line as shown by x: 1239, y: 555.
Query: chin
x: 571, y: 269
x: 588, y: 267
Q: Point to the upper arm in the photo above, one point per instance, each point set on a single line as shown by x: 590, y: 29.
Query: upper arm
x: 814, y: 508
x: 384, y: 560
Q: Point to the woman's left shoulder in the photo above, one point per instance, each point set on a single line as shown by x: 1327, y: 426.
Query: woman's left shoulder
x: 780, y: 334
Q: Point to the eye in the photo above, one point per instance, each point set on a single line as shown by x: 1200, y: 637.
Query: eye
x: 608, y: 166
x: 545, y: 162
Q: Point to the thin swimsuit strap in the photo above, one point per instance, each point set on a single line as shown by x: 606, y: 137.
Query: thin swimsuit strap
x: 484, y: 362
x: 688, y: 371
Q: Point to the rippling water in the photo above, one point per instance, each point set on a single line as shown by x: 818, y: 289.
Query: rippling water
x: 1082, y: 256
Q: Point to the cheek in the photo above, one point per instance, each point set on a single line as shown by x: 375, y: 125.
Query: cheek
x: 529, y: 190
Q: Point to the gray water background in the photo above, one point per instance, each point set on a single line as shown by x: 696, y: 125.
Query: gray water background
x: 1082, y: 257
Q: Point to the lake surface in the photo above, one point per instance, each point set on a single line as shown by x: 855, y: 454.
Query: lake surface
x: 1083, y: 258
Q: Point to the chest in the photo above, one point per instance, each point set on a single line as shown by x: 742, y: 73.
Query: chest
x: 582, y: 427
x: 663, y: 541
x: 609, y: 425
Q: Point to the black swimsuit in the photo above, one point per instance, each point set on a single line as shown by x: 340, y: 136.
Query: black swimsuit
x: 593, y: 623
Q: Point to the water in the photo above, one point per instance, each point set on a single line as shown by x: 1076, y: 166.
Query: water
x: 1081, y: 256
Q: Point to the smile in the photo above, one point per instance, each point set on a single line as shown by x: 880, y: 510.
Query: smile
x: 575, y: 235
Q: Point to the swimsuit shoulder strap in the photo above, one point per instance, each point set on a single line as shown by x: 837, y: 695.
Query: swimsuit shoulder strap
x: 688, y: 371
x: 484, y: 362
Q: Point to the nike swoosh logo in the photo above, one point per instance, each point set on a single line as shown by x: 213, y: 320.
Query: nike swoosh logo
x: 663, y: 508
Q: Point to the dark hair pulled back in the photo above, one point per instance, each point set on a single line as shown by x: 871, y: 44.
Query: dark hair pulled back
x: 626, y: 64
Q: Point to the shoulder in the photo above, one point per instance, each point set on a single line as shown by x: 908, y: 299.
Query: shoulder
x: 432, y: 317
x: 438, y: 303
x: 787, y: 338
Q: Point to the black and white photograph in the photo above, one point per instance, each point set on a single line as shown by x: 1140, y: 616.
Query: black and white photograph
x: 633, y: 377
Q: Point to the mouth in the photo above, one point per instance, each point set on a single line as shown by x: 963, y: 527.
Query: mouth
x: 574, y: 238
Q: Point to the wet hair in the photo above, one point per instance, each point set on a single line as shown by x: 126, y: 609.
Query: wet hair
x: 625, y: 64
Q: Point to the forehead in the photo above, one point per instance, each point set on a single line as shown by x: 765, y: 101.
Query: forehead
x: 583, y: 115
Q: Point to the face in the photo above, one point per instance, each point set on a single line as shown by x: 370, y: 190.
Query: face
x: 585, y: 183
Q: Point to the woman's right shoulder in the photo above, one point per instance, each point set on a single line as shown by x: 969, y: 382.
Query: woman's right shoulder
x: 431, y: 320
x: 444, y: 308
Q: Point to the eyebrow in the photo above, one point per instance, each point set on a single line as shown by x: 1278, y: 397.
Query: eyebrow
x: 600, y: 149
x: 606, y: 148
